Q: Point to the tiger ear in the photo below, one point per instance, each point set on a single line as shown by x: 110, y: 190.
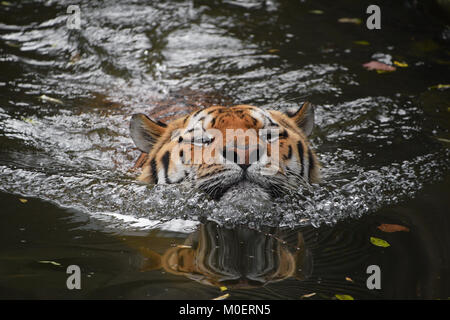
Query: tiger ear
x: 304, y: 118
x: 145, y: 132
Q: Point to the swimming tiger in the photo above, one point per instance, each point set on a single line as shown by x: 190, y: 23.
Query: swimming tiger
x: 227, y: 149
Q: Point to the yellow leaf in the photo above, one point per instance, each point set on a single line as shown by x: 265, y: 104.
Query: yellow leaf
x: 223, y: 288
x: 344, y: 297
x: 350, y: 20
x: 316, y: 11
x: 348, y: 279
x: 13, y: 45
x: 222, y: 297
x: 23, y: 200
x: 362, y: 43
x: 400, y: 64
x: 273, y: 50
x: 379, y: 242
x: 50, y: 262
x: 384, y: 71
x: 443, y: 140
x: 183, y: 246
x: 440, y: 61
x: 440, y: 86
x: 308, y: 295
x: 6, y: 3
x: 27, y: 120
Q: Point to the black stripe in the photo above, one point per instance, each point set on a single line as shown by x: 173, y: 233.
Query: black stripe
x: 165, y: 161
x: 197, y: 112
x: 287, y: 125
x: 311, y: 163
x: 162, y: 124
x: 154, y: 172
x: 289, y: 155
x: 148, y: 137
x: 300, y: 153
x: 272, y: 123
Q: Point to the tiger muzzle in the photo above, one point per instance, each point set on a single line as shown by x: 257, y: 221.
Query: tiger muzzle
x: 243, y: 155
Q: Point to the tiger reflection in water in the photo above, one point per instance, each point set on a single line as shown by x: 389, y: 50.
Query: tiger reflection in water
x: 235, y: 258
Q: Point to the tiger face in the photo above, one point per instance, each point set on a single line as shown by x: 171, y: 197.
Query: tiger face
x: 222, y: 150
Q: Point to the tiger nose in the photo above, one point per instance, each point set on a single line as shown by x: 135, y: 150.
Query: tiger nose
x: 244, y: 166
x: 243, y: 157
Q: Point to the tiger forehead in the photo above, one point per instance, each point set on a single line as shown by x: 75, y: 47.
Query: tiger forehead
x: 240, y: 116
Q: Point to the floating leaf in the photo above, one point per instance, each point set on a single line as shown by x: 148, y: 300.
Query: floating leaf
x: 316, y: 11
x: 344, y: 297
x: 183, y: 246
x: 440, y: 61
x: 444, y: 140
x: 349, y: 279
x: 27, y: 120
x: 350, y: 20
x: 425, y: 46
x: 273, y: 50
x: 309, y: 295
x: 50, y: 99
x: 400, y: 64
x: 75, y: 58
x: 50, y: 262
x: 379, y: 242
x: 362, y: 42
x: 383, y: 71
x: 23, y: 200
x: 379, y: 66
x: 223, y: 288
x: 5, y: 3
x: 12, y: 45
x: 226, y: 295
x: 386, y: 227
x: 440, y: 86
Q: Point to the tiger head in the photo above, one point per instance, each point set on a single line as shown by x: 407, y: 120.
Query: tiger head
x: 221, y: 150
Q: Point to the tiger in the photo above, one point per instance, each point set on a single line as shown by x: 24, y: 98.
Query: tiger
x: 224, y: 149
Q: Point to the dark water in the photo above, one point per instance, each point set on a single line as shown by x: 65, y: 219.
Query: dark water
x: 382, y: 139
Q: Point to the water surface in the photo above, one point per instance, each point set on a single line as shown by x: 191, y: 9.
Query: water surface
x: 382, y: 140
